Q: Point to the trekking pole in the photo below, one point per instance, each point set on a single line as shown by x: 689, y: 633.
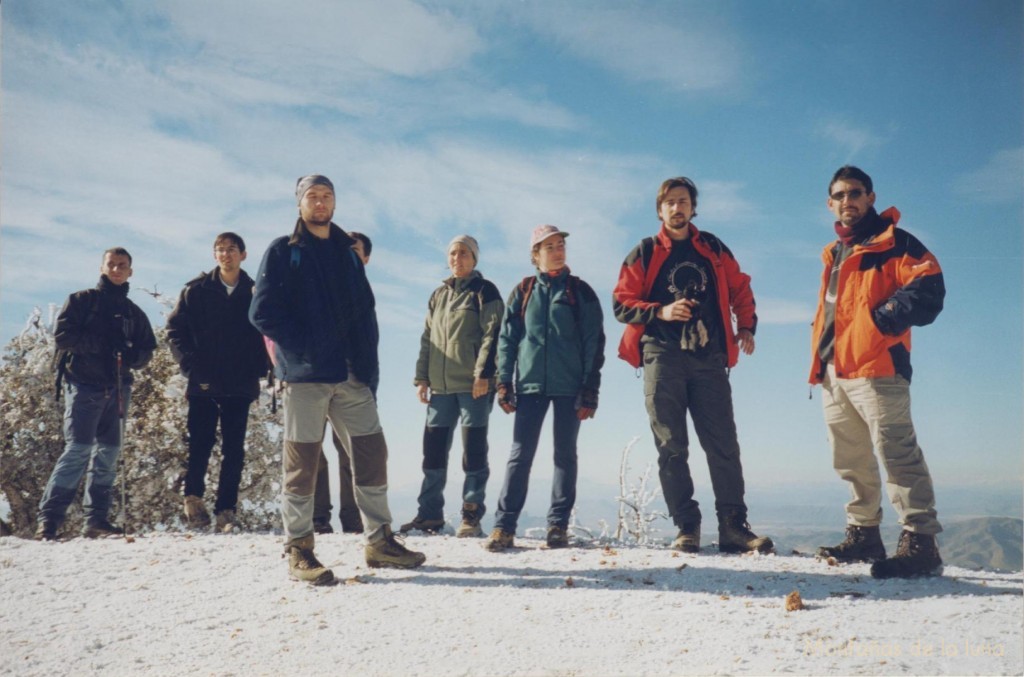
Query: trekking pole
x: 124, y: 466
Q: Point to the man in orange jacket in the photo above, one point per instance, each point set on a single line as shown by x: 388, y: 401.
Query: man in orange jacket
x: 677, y: 293
x: 878, y: 282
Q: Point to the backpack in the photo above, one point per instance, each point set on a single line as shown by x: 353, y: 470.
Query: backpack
x: 61, y: 356
x: 572, y: 285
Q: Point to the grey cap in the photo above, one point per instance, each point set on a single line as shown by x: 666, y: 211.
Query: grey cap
x: 307, y: 182
x: 471, y: 245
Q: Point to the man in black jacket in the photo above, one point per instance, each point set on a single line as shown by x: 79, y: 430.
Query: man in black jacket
x: 101, y: 336
x: 223, y: 357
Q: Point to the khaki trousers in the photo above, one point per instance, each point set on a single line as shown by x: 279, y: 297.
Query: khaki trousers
x: 866, y: 416
x: 352, y: 412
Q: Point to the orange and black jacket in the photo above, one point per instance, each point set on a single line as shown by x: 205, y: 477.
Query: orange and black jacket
x: 886, y: 285
x: 640, y: 270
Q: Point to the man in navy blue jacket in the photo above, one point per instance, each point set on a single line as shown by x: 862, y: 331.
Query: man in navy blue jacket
x: 314, y: 302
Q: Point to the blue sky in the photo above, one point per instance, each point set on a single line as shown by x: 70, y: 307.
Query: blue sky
x: 156, y: 125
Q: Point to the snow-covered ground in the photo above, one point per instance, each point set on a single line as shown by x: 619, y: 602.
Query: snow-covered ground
x: 174, y: 604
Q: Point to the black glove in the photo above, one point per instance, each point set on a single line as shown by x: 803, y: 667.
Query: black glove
x: 586, y: 398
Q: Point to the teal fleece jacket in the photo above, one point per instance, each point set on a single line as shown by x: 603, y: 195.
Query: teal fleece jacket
x: 553, y: 348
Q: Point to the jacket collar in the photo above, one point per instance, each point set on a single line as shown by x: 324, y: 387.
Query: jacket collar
x: 461, y: 283
x: 665, y: 241
x: 108, y: 287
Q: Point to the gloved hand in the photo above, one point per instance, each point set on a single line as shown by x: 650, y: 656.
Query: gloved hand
x: 506, y: 397
x: 586, y: 403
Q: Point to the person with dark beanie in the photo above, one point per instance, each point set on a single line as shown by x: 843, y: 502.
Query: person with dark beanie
x: 878, y: 282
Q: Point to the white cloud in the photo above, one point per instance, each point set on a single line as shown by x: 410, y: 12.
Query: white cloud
x: 851, y: 138
x: 682, y: 46
x: 998, y: 181
x: 395, y: 37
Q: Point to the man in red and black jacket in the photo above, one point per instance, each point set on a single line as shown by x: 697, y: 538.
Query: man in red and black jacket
x: 677, y: 293
x: 878, y: 282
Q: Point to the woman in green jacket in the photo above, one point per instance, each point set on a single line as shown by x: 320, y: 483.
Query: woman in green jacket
x: 454, y: 378
x: 550, y: 353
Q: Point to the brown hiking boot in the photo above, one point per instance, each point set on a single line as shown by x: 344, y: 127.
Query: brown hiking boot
x: 472, y: 513
x: 688, y: 539
x: 389, y: 552
x: 420, y: 524
x: 557, y: 537
x: 226, y: 521
x: 303, y: 564
x: 862, y: 544
x: 499, y: 540
x: 916, y: 555
x: 734, y: 535
x: 196, y: 516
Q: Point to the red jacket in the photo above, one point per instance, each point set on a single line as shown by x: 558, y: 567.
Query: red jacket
x: 635, y: 281
x: 885, y: 286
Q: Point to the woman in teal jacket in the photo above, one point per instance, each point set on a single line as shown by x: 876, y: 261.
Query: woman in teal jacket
x: 550, y: 352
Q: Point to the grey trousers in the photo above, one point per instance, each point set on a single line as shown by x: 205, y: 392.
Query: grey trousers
x: 352, y: 412
x: 866, y: 416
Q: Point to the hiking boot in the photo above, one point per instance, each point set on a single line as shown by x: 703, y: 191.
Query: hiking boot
x: 322, y: 525
x: 196, y: 516
x: 916, y: 555
x: 557, y: 537
x: 688, y: 539
x: 46, y: 531
x: 862, y: 544
x: 389, y: 552
x: 420, y: 524
x: 303, y: 564
x: 734, y: 535
x: 101, y: 528
x: 226, y: 521
x: 351, y: 522
x: 471, y: 516
x: 499, y: 540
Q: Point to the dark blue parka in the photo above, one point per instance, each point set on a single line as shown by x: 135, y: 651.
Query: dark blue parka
x: 318, y: 328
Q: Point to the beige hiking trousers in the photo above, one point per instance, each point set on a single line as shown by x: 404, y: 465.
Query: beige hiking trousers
x: 352, y: 412
x: 866, y: 416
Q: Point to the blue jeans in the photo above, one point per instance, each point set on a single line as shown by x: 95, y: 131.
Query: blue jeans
x: 530, y: 413
x: 92, y: 438
x: 443, y: 412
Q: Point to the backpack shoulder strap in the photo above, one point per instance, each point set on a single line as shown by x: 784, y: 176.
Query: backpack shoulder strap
x: 526, y: 289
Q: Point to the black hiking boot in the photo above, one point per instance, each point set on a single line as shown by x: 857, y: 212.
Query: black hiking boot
x: 322, y: 526
x: 734, y: 535
x: 101, y: 528
x: 424, y: 525
x: 46, y: 531
x: 303, y: 564
x: 916, y: 555
x: 389, y: 552
x: 862, y: 544
x: 688, y: 539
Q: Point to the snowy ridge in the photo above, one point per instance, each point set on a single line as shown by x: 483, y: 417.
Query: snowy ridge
x: 170, y: 604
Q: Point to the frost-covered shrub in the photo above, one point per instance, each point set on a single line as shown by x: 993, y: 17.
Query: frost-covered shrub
x: 155, y: 446
x: 636, y: 518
